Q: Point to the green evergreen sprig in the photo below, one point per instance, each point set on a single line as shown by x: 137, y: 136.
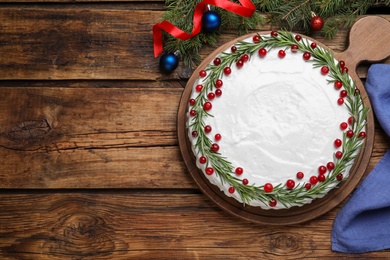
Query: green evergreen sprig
x: 288, y: 14
x: 180, y: 13
x: 221, y: 165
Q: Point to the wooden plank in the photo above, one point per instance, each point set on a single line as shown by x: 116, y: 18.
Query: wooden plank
x: 84, y: 43
x: 72, y: 135
x: 76, y: 44
x: 110, y: 167
x: 60, y: 137
x: 127, y: 225
x: 151, y: 168
x: 34, y: 118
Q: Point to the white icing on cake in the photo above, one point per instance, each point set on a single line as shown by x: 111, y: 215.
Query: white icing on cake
x: 277, y: 116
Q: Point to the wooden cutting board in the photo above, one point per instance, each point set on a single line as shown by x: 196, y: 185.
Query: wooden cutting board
x: 369, y: 41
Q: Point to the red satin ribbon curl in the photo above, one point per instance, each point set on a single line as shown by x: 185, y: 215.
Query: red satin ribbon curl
x: 245, y: 9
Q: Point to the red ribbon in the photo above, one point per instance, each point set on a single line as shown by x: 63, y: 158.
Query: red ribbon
x: 245, y: 9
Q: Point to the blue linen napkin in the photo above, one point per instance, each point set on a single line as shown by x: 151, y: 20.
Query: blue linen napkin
x: 363, y: 224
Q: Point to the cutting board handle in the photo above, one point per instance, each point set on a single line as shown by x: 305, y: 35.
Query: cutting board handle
x: 369, y: 40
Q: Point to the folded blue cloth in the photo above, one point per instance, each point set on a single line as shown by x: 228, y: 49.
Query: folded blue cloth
x: 363, y: 224
x: 378, y: 89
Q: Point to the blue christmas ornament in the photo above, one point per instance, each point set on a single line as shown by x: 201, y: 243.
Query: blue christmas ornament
x: 168, y: 62
x: 211, y: 21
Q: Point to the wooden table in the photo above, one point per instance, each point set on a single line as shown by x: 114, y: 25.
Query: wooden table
x: 90, y: 164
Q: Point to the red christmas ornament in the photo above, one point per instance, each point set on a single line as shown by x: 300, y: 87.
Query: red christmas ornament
x: 316, y: 23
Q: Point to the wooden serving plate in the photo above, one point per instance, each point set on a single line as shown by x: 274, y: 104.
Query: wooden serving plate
x: 369, y: 41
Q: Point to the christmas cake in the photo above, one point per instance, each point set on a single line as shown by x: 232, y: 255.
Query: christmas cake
x: 275, y: 121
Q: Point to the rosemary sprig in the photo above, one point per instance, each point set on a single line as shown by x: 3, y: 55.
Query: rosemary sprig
x: 224, y: 169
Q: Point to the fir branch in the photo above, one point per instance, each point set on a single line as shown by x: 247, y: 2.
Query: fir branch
x: 295, y: 14
x: 295, y: 9
x: 180, y: 13
x: 290, y: 14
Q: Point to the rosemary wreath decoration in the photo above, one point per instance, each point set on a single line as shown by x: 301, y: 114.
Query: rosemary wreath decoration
x: 352, y: 139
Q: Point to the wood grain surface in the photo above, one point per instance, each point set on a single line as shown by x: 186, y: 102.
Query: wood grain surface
x: 90, y: 166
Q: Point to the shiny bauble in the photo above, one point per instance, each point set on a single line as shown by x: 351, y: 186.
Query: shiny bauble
x: 168, y: 62
x: 211, y: 21
x: 316, y: 23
